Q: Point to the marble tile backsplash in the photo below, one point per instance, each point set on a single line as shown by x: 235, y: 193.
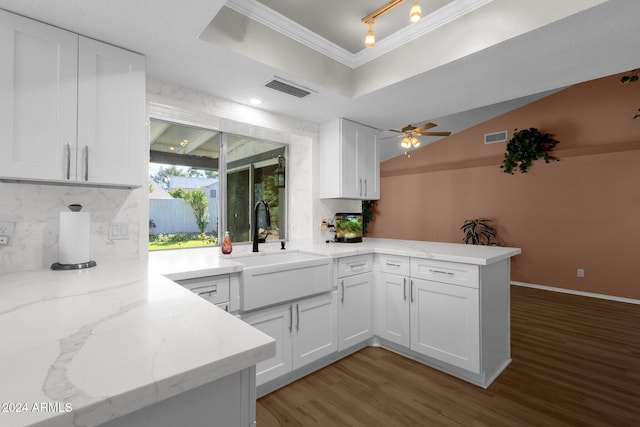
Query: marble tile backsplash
x: 35, y: 210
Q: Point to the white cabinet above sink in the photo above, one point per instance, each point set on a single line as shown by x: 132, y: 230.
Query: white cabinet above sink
x: 271, y: 278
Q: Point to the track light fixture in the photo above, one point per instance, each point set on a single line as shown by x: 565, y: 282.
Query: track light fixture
x: 370, y: 39
x: 416, y: 12
x: 414, y: 16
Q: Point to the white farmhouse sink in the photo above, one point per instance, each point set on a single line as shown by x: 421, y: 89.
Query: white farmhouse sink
x: 271, y: 277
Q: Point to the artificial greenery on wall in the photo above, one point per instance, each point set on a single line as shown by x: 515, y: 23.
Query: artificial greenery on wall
x: 526, y: 146
x: 632, y: 77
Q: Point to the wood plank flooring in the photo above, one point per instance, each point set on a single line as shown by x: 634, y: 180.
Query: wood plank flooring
x: 576, y: 362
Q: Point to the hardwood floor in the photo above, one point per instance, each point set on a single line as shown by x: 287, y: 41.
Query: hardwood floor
x: 576, y: 362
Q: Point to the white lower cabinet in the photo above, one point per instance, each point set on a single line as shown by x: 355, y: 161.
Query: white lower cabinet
x: 392, y: 308
x: 431, y: 307
x: 445, y: 323
x: 355, y: 318
x: 304, y: 331
x: 355, y: 288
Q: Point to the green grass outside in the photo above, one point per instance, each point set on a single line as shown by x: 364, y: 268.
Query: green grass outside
x: 155, y: 246
x: 181, y: 240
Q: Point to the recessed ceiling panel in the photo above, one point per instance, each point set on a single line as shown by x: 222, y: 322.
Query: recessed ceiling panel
x: 339, y: 21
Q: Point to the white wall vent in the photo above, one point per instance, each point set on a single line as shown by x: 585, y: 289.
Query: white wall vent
x: 492, y: 138
x: 289, y: 88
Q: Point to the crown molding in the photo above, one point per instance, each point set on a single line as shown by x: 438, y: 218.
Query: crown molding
x: 260, y: 13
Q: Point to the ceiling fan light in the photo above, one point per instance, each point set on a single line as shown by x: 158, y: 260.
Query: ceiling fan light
x: 415, y: 141
x: 416, y: 12
x: 370, y: 39
x: 406, y: 142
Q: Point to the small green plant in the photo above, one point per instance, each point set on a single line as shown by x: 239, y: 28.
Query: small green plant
x: 478, y: 231
x: 526, y: 146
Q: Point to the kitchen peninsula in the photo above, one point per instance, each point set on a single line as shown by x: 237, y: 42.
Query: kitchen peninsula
x: 444, y: 304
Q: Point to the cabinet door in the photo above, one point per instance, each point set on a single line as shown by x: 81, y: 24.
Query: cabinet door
x: 392, y: 308
x: 314, y: 331
x: 111, y: 114
x: 38, y: 83
x: 355, y: 320
x: 350, y: 182
x: 278, y: 324
x: 368, y: 163
x: 445, y: 323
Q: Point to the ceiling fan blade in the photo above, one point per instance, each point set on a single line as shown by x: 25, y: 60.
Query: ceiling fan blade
x: 393, y: 130
x: 425, y: 127
x: 435, y: 133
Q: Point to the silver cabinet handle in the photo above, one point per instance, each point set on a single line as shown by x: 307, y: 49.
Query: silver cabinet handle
x: 342, y: 299
x: 290, y: 318
x: 208, y: 294
x: 441, y: 272
x: 411, y: 290
x: 360, y: 186
x: 365, y: 187
x: 404, y: 287
x: 68, y: 161
x: 86, y: 163
x: 297, y: 317
x: 391, y: 264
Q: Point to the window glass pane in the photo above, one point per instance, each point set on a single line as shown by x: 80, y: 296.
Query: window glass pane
x: 251, y: 177
x: 184, y: 188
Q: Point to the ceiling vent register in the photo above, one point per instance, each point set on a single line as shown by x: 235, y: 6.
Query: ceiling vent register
x: 494, y: 137
x: 288, y: 88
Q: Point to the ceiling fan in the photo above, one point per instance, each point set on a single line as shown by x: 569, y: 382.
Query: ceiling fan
x: 410, y: 134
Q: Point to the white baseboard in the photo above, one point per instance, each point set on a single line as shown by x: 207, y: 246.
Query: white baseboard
x: 574, y: 292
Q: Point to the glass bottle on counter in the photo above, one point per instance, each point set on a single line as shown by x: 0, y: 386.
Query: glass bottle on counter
x: 226, y: 244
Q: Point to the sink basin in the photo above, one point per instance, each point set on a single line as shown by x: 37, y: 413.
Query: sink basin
x: 269, y: 278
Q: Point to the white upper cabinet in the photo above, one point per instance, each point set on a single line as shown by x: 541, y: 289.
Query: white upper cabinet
x: 72, y: 110
x: 38, y: 106
x: 111, y: 114
x: 349, y: 161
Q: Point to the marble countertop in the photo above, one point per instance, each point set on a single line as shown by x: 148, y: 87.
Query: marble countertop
x: 84, y: 347
x: 200, y: 262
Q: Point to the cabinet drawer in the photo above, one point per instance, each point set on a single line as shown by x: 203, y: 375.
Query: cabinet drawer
x: 445, y: 272
x: 394, y: 264
x: 349, y: 266
x: 214, y: 289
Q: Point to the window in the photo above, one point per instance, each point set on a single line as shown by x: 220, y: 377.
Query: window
x: 204, y: 182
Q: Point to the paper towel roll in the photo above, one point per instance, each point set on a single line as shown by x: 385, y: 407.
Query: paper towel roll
x: 75, y: 228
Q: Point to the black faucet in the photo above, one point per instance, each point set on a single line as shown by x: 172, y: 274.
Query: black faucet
x: 257, y: 240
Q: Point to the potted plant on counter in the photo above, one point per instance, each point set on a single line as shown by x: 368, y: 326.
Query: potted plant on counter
x: 478, y: 231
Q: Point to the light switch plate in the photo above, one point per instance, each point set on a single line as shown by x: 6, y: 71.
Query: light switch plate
x: 118, y: 231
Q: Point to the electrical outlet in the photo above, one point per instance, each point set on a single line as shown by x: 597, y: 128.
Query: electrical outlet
x: 581, y: 272
x: 6, y: 228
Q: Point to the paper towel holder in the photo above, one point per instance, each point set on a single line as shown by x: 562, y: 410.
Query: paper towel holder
x: 77, y: 266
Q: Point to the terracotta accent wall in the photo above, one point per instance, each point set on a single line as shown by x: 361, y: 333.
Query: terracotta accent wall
x: 580, y: 212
